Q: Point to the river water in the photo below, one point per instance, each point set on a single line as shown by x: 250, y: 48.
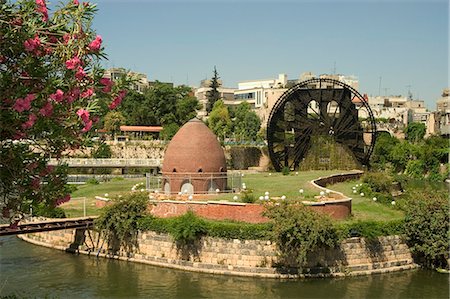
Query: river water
x: 28, y: 270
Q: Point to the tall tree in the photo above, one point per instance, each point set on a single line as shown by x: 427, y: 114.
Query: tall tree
x: 213, y: 95
x: 112, y: 122
x: 219, y: 120
x: 161, y: 105
x: 246, y: 122
x: 415, y: 132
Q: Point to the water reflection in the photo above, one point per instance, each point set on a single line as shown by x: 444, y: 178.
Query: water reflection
x: 33, y: 271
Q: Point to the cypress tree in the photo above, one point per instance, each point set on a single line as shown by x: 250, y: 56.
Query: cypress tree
x: 213, y: 94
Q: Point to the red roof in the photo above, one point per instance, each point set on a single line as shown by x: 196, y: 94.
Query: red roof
x: 155, y: 129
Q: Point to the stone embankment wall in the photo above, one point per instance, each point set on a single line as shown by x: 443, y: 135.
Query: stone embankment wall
x: 355, y: 256
x: 137, y: 149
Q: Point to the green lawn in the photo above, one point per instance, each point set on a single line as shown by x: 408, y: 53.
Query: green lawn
x: 364, y: 208
x: 275, y: 183
x: 86, y: 194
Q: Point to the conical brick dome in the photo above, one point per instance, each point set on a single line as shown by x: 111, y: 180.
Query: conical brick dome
x: 194, y: 148
x: 194, y: 161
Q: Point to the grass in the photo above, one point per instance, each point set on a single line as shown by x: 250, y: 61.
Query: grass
x: 275, y: 183
x: 278, y: 185
x: 364, y: 208
x: 87, y: 193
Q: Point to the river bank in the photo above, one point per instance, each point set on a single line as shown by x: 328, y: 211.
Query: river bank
x: 252, y: 258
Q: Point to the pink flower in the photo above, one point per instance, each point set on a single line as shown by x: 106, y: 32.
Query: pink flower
x: 75, y: 2
x: 47, y: 110
x: 62, y: 200
x: 117, y: 100
x: 36, y: 183
x: 42, y: 8
x: 72, y: 95
x: 87, y: 126
x: 24, y: 104
x: 32, y: 44
x: 30, y: 122
x: 80, y: 74
x: 107, y: 83
x: 57, y: 96
x: 88, y: 93
x: 73, y: 63
x: 19, y: 135
x: 66, y: 38
x: 96, y: 44
x: 84, y: 114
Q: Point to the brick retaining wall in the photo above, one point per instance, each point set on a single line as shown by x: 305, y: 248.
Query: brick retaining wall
x: 257, y: 258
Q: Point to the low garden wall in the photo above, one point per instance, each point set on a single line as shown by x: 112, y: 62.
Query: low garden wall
x: 258, y: 258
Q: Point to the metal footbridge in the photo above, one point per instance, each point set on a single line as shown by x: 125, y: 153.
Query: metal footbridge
x: 46, y: 225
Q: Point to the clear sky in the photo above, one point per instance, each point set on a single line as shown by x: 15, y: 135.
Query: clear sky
x: 403, y: 42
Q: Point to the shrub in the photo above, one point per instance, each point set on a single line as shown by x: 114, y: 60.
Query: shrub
x: 119, y: 221
x: 427, y: 227
x: 285, y: 170
x: 370, y: 229
x: 187, y: 228
x: 218, y: 229
x: 378, y: 181
x: 297, y: 231
x: 247, y: 196
x: 238, y: 230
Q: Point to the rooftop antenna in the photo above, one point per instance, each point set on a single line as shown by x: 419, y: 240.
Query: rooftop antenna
x: 334, y: 68
x: 409, y: 92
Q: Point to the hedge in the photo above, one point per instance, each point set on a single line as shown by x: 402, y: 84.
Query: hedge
x: 252, y: 231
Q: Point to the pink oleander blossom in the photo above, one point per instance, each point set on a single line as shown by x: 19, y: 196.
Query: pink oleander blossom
x: 24, y: 104
x: 117, y: 100
x: 19, y: 135
x: 87, y: 126
x: 72, y: 95
x: 62, y: 200
x: 58, y: 96
x: 30, y: 122
x: 80, y: 74
x: 32, y: 44
x: 73, y: 63
x: 42, y: 8
x: 47, y: 109
x: 36, y: 183
x: 88, y: 93
x: 107, y: 83
x: 96, y: 44
x: 66, y: 38
x: 84, y: 114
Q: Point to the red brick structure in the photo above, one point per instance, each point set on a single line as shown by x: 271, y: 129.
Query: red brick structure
x: 194, y: 161
x: 252, y: 213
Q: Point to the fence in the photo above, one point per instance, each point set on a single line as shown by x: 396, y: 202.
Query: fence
x: 232, y: 182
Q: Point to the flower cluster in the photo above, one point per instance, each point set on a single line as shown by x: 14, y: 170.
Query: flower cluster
x: 96, y: 44
x: 52, y: 93
x: 118, y: 99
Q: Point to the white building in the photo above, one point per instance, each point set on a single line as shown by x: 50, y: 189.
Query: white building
x: 443, y: 109
x: 200, y: 93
